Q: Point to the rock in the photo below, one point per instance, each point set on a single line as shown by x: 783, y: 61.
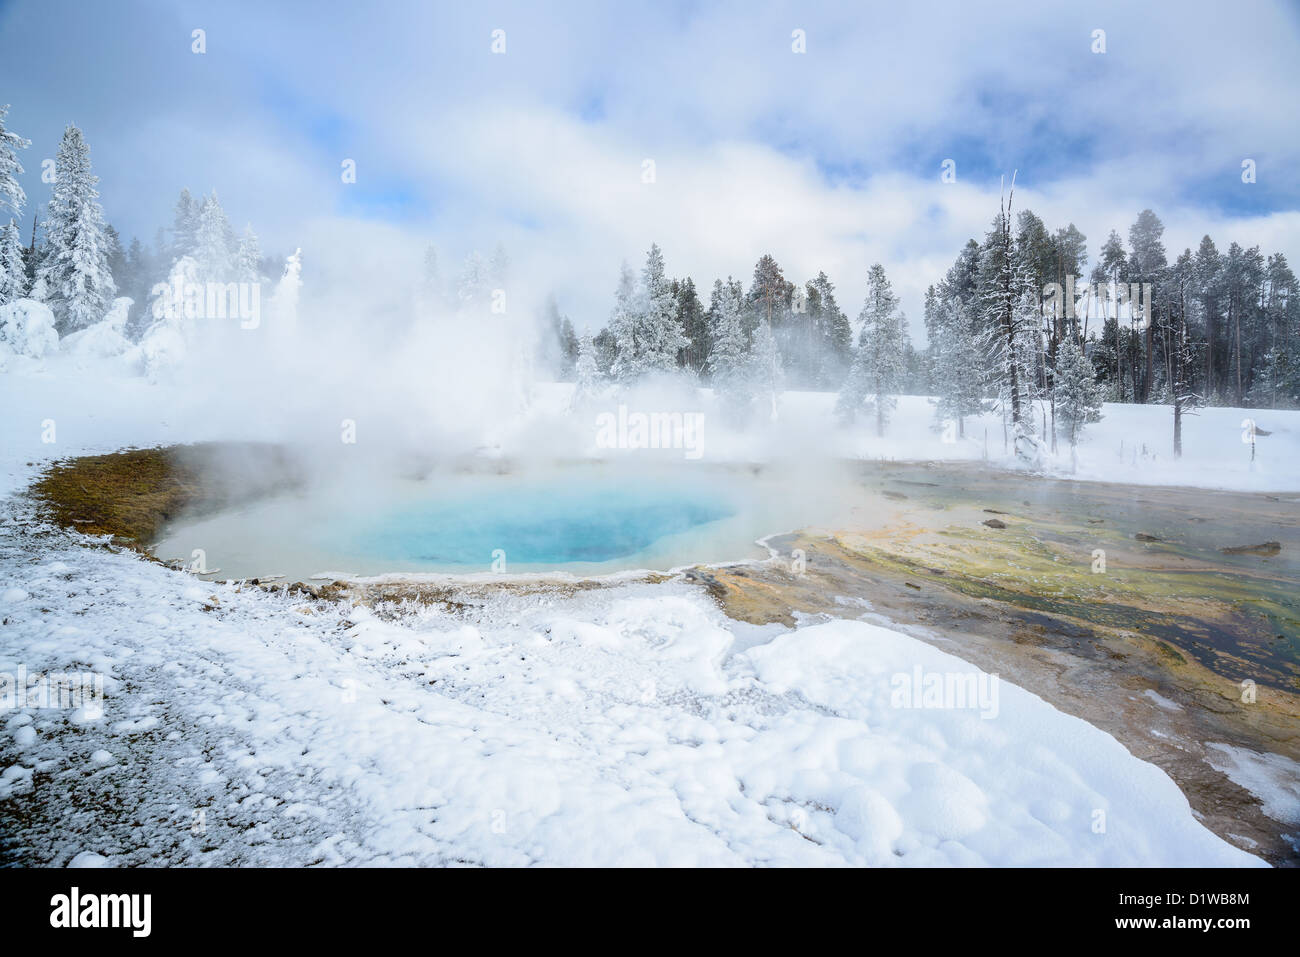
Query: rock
x: 994, y: 511
x: 994, y: 523
x: 896, y: 496
x: 1144, y: 537
x: 1265, y: 548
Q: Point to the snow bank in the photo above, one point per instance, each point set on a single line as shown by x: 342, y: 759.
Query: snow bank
x: 27, y: 327
x: 104, y: 340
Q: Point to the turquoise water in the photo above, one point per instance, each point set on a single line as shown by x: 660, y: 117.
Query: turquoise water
x: 540, y: 524
x: 575, y: 518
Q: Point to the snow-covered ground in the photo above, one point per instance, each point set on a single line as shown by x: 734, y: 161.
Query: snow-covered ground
x: 627, y: 725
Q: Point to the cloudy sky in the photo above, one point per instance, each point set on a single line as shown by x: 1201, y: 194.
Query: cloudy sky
x: 828, y: 159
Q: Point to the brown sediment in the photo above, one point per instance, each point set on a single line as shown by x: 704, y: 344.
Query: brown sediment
x: 1266, y: 549
x: 131, y: 494
x: 127, y: 495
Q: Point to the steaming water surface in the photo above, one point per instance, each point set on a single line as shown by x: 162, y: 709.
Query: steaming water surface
x: 583, y: 520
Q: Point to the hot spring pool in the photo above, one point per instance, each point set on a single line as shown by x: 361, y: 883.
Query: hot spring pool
x: 540, y: 524
x: 587, y: 520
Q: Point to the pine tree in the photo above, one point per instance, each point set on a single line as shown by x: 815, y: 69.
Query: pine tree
x: 957, y: 362
x: 248, y: 258
x: 661, y: 338
x: 1008, y: 307
x: 185, y: 226
x: 587, y: 386
x: 212, y: 242
x: 1110, y: 269
x: 769, y: 297
x: 74, y: 268
x: 116, y: 256
x: 649, y: 339
x: 834, y: 333
x: 1078, y: 397
x: 876, y: 376
x: 1147, y: 264
x: 140, y: 273
x: 692, y: 322
x: 1207, y: 283
x: 729, y: 359
x: 13, y: 272
x: 12, y: 196
x: 622, y: 328
x: 558, y: 348
x: 1277, y: 381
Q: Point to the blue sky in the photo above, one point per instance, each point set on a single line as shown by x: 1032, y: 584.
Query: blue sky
x: 828, y: 159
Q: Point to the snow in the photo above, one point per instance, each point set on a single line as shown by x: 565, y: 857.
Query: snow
x: 1270, y: 777
x: 27, y: 328
x: 628, y: 725
x: 1132, y: 444
x: 105, y: 340
x: 1161, y: 701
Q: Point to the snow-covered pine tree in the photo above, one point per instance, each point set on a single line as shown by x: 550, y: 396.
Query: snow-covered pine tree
x: 661, y: 338
x: 12, y: 196
x: 1078, y: 397
x: 645, y: 323
x: 185, y: 226
x: 557, y: 348
x: 248, y: 257
x: 212, y: 242
x: 622, y: 327
x: 729, y: 359
x: 116, y: 256
x: 692, y: 322
x: 1010, y: 318
x: 876, y: 375
x: 587, y: 386
x: 1110, y: 271
x: 834, y: 332
x: 568, y: 347
x: 74, y: 269
x: 956, y: 358
x: 13, y: 274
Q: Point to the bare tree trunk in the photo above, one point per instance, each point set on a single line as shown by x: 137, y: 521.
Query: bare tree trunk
x: 1146, y: 386
x: 1237, y: 333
